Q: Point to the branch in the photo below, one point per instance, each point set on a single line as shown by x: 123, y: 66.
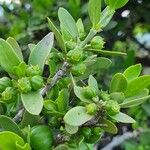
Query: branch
x: 19, y: 115
x: 119, y: 139
x: 59, y: 74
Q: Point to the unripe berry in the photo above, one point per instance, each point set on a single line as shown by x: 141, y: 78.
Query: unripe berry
x: 86, y: 132
x: 104, y: 96
x: 75, y: 55
x: 4, y: 82
x: 9, y: 95
x: 33, y: 70
x: 89, y: 92
x: 24, y: 85
x: 70, y: 45
x: 97, y: 42
x: 97, y: 131
x: 78, y: 69
x: 112, y: 107
x: 91, y: 109
x: 36, y: 82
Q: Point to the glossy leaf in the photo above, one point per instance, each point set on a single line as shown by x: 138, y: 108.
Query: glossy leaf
x: 115, y: 4
x: 94, y: 9
x: 121, y: 117
x: 137, y: 85
x: 80, y: 26
x: 41, y: 51
x: 77, y: 116
x: 8, y: 57
x: 33, y: 102
x: 11, y: 141
x: 118, y: 83
x: 58, y: 35
x: 132, y: 72
x: 8, y: 124
x: 31, y: 46
x: 63, y: 100
x: 136, y: 100
x: 15, y: 46
x: 108, y: 126
x: 67, y: 22
x: 93, y: 83
x: 118, y: 96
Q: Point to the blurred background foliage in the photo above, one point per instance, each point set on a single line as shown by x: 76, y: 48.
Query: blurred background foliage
x: 129, y: 31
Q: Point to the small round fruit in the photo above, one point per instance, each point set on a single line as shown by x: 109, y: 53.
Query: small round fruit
x: 33, y: 70
x: 89, y: 92
x: 104, y: 96
x: 97, y: 42
x: 91, y: 109
x: 70, y: 45
x: 9, y: 95
x: 86, y: 132
x: 112, y: 107
x: 36, y: 82
x: 41, y: 137
x: 5, y: 82
x: 24, y: 85
x: 78, y: 69
x: 75, y: 55
x: 97, y: 131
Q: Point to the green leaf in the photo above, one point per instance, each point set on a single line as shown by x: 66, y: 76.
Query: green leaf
x: 77, y: 116
x: 79, y: 92
x: 31, y: 46
x: 71, y: 129
x: 8, y: 57
x: 118, y: 96
x: 15, y: 46
x: 93, y: 83
x: 41, y: 51
x: 94, y: 9
x: 33, y: 102
x: 80, y: 26
x: 137, y: 85
x: 121, y: 117
x: 58, y: 35
x: 132, y: 72
x: 67, y: 22
x: 108, y: 126
x: 115, y: 4
x: 106, y: 16
x: 63, y: 100
x: 118, y: 83
x: 8, y: 124
x: 11, y: 141
x: 61, y: 147
x: 136, y: 100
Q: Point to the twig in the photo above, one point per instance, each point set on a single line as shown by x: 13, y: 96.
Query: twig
x: 19, y: 115
x: 56, y: 77
x: 119, y: 139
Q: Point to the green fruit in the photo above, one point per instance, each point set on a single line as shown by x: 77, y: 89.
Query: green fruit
x: 78, y: 69
x: 75, y: 55
x: 4, y: 82
x: 97, y: 131
x: 86, y: 132
x: 112, y: 107
x: 24, y: 85
x: 41, y: 138
x: 36, y: 82
x: 89, y: 92
x: 97, y: 42
x: 9, y: 95
x: 104, y: 96
x: 33, y: 70
x: 91, y: 109
x: 92, y: 139
x: 70, y: 45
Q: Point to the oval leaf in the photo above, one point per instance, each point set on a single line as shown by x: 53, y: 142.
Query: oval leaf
x: 121, y: 117
x: 132, y: 72
x: 8, y: 57
x: 8, y: 124
x: 137, y: 85
x: 41, y: 51
x: 77, y: 116
x: 67, y: 22
x: 94, y: 9
x: 118, y: 83
x: 71, y: 129
x: 11, y: 141
x: 33, y: 102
